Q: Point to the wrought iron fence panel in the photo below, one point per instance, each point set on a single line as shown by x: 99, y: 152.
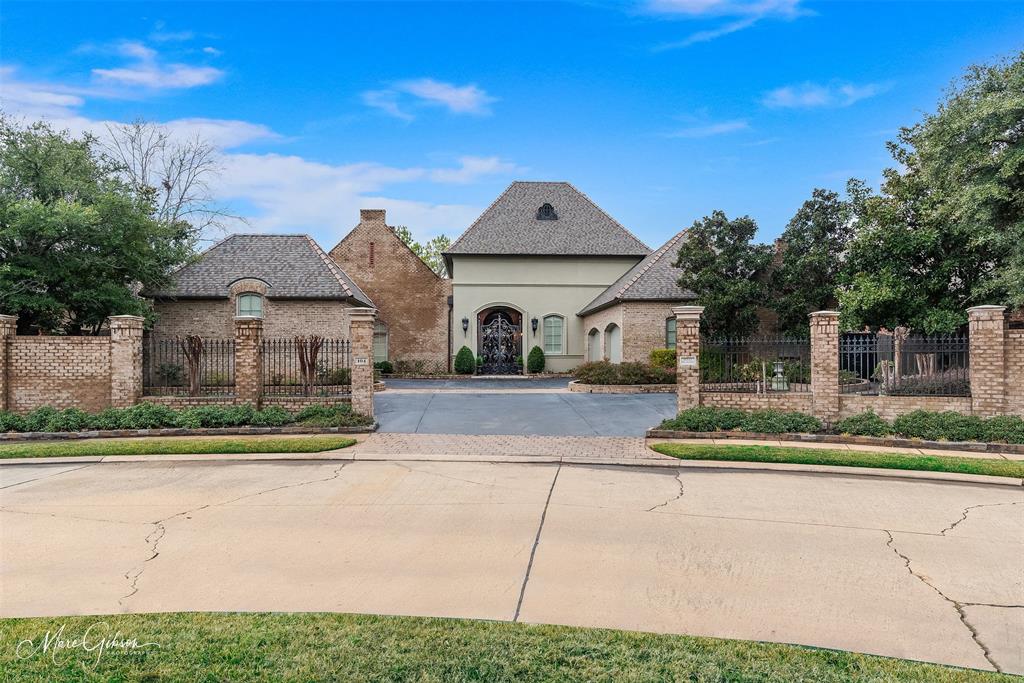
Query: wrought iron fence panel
x: 901, y: 364
x: 755, y: 365
x: 306, y: 366
x: 188, y: 366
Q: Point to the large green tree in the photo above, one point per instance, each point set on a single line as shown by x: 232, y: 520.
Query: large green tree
x: 812, y: 250
x: 430, y: 253
x: 947, y: 231
x: 77, y: 242
x: 726, y: 270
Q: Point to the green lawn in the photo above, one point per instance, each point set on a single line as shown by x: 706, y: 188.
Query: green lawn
x: 815, y: 456
x: 184, y: 445
x: 344, y: 647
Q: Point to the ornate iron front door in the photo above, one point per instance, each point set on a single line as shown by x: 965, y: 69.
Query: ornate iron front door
x: 499, y: 347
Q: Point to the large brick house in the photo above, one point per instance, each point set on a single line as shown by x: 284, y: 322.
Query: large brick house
x: 542, y: 266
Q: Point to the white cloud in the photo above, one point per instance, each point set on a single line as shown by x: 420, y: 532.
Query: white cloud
x: 212, y: 51
x: 148, y: 72
x: 711, y: 129
x: 472, y: 169
x: 458, y: 99
x: 738, y: 15
x: 810, y: 95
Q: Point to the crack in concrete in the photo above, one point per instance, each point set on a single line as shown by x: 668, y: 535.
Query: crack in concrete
x: 675, y: 498
x: 160, y: 530
x: 966, y: 511
x: 958, y: 606
x: 536, y: 542
x: 49, y: 476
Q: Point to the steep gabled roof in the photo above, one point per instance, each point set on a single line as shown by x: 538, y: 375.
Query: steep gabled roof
x: 293, y: 266
x: 511, y: 226
x: 653, y: 279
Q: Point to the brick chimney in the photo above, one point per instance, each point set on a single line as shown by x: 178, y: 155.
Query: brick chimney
x: 371, y: 215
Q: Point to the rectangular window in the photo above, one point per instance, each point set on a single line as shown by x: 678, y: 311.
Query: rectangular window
x: 670, y: 333
x: 250, y: 304
x: 553, y: 334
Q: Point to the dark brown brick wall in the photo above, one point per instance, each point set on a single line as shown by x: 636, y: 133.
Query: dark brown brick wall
x: 410, y: 298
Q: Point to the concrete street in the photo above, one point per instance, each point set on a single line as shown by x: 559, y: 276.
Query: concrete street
x: 917, y: 569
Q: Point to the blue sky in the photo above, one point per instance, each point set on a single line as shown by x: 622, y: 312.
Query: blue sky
x: 660, y: 110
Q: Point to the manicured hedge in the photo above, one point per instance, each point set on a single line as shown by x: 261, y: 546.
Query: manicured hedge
x: 465, y: 361
x: 603, y: 372
x: 708, y: 419
x: 535, y: 361
x: 155, y: 416
x: 920, y: 424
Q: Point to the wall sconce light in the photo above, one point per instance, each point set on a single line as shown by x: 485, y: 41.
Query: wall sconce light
x: 533, y: 325
x: 465, y: 325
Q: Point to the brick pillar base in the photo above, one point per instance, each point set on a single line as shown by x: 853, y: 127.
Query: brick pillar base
x: 825, y: 365
x: 125, y: 360
x: 989, y: 329
x: 361, y: 322
x: 687, y: 356
x: 248, y: 359
x: 8, y: 328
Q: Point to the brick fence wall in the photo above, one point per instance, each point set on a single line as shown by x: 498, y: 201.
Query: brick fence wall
x: 996, y: 374
x: 94, y: 373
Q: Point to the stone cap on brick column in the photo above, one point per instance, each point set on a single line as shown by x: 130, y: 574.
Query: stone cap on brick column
x: 694, y: 312
x: 247, y: 318
x: 986, y: 311
x: 8, y: 324
x: 125, y: 319
x: 362, y: 314
x: 824, y: 314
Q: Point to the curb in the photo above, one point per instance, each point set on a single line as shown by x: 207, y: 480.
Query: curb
x: 579, y: 387
x: 888, y: 442
x: 659, y: 463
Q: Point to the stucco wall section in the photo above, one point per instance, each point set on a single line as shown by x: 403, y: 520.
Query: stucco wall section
x: 410, y: 298
x: 213, y: 318
x: 62, y: 372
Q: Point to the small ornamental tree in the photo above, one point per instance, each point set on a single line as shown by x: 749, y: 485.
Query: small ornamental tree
x: 535, y: 361
x: 465, y: 361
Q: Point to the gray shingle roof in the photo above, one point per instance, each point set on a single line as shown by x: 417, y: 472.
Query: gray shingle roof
x: 653, y: 279
x: 510, y: 226
x: 294, y: 267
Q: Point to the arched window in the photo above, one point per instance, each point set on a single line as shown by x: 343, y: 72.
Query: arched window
x: 594, y: 345
x: 380, y: 342
x: 670, y: 333
x: 554, y: 332
x: 250, y: 304
x: 613, y: 343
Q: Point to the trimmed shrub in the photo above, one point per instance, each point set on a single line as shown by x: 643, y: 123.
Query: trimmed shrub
x: 603, y: 372
x: 9, y: 422
x: 705, y: 419
x: 1006, y: 429
x: 68, y: 420
x: 535, y: 361
x: 274, y: 416
x: 663, y: 358
x: 465, y: 361
x: 776, y: 422
x: 147, y: 416
x: 338, y: 415
x: 947, y: 426
x: 864, y: 424
x: 384, y: 366
x: 36, y: 420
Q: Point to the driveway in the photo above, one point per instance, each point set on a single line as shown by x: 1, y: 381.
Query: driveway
x: 516, y: 407
x: 921, y: 570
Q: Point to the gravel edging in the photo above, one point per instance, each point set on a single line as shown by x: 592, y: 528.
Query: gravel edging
x: 891, y: 442
x: 16, y: 437
x: 622, y: 388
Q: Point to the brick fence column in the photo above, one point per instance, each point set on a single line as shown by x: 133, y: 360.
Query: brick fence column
x: 361, y: 321
x: 825, y: 365
x: 125, y: 360
x: 8, y: 328
x: 687, y: 356
x: 988, y: 331
x: 248, y: 359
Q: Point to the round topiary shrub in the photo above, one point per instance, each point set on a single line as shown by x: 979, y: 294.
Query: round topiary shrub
x: 465, y: 361
x: 535, y: 361
x: 864, y: 424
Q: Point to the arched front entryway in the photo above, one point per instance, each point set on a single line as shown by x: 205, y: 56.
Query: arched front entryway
x: 613, y: 343
x: 594, y: 345
x: 499, y: 340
